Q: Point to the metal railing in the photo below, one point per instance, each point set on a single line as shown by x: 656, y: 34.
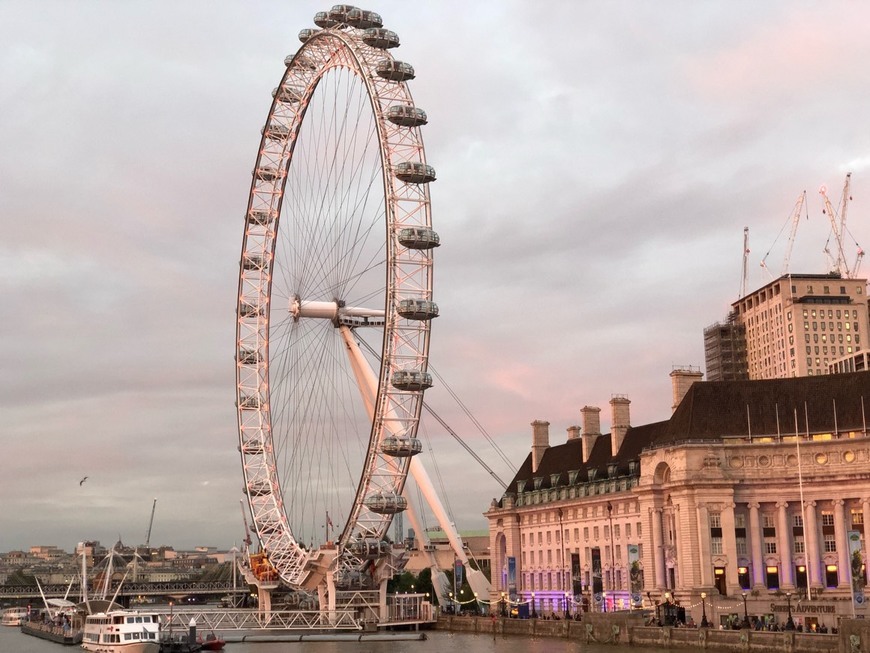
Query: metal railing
x: 230, y: 619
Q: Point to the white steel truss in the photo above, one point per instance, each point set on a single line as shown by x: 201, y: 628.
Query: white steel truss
x: 266, y: 399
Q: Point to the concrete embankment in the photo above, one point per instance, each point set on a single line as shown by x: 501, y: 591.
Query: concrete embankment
x: 625, y: 628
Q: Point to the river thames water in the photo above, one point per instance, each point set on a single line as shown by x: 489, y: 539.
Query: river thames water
x: 12, y: 641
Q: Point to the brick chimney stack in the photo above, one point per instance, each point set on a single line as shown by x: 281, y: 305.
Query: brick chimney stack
x: 540, y: 442
x: 620, y: 421
x: 591, y: 428
x: 682, y: 379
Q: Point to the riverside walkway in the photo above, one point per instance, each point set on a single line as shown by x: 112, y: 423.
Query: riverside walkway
x: 627, y: 629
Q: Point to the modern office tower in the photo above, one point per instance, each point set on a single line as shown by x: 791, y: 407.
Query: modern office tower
x: 796, y: 325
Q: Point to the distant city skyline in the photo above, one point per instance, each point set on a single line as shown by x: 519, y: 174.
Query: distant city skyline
x: 594, y: 180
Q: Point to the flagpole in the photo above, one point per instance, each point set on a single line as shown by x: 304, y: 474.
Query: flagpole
x: 797, y: 439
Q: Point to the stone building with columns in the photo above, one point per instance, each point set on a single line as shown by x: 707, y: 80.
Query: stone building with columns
x: 752, y: 491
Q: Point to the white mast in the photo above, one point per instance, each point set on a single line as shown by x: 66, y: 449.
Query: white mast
x: 368, y: 386
x: 797, y: 437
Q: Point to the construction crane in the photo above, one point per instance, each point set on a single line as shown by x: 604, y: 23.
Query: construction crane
x: 847, y: 197
x: 150, y: 524
x: 247, y: 540
x: 745, y: 261
x: 854, y: 271
x: 795, y: 220
x: 838, y: 263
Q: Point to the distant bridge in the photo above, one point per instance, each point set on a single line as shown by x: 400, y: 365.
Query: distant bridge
x: 172, y: 589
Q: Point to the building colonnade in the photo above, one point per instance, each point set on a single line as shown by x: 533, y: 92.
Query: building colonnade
x: 787, y: 546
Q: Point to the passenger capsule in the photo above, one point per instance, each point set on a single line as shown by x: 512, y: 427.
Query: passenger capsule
x: 252, y: 447
x: 380, y: 38
x: 395, y: 71
x: 368, y: 548
x: 269, y: 174
x: 406, y: 116
x: 286, y: 95
x: 300, y: 60
x: 401, y: 447
x: 250, y: 310
x: 248, y: 356
x: 363, y: 19
x: 276, y: 132
x: 339, y: 13
x: 418, y: 309
x: 411, y: 380
x: 306, y: 34
x: 322, y: 19
x: 254, y: 262
x: 270, y: 527
x: 415, y: 172
x: 261, y: 217
x: 259, y: 488
x: 249, y: 401
x: 386, y: 504
x: 418, y: 238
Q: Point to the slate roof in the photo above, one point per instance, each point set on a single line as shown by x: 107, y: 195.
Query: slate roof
x: 713, y: 410
x: 721, y: 408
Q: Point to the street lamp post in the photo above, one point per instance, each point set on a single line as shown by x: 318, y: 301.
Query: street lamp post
x: 534, y: 609
x: 704, y: 622
x: 476, y: 603
x: 562, y: 554
x: 604, y: 601
x: 657, y: 606
x: 455, y: 588
x: 567, y: 606
x: 667, y: 610
x: 612, y: 546
x: 789, y: 623
x: 502, y: 607
x: 745, y: 612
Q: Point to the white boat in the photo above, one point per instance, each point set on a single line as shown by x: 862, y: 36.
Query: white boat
x: 13, y: 616
x: 122, y: 631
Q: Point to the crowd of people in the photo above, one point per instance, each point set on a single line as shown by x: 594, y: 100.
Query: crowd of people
x: 734, y: 622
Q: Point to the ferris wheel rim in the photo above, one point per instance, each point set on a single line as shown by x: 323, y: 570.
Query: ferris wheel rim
x: 321, y: 52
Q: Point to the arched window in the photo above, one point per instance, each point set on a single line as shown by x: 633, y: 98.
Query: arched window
x: 662, y: 474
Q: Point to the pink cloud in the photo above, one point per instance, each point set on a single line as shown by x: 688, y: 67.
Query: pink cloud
x: 798, y: 57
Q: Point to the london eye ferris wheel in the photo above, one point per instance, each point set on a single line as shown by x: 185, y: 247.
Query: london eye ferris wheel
x: 334, y: 299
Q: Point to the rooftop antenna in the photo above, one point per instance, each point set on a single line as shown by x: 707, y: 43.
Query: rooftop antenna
x: 745, y: 259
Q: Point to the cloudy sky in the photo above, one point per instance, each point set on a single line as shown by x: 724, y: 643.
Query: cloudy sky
x: 597, y: 163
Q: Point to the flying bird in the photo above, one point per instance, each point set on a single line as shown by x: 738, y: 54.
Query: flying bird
x: 83, y: 480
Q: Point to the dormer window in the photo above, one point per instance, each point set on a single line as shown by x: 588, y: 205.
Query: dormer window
x: 612, y: 470
x: 572, y: 476
x: 538, y: 481
x: 554, y: 480
x: 521, y: 485
x: 592, y: 473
